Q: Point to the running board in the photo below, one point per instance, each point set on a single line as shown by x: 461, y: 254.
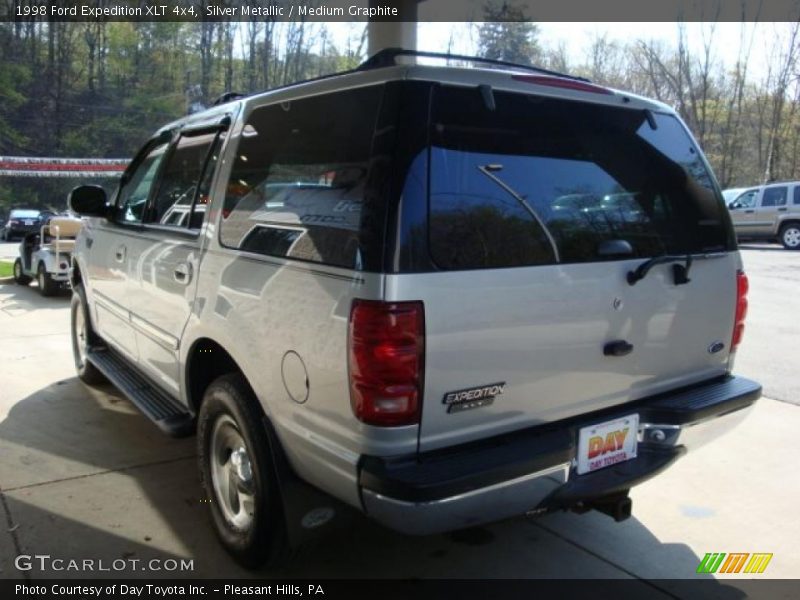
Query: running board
x: 170, y: 416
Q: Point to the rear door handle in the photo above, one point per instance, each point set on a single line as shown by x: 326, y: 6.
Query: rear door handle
x: 749, y: 212
x: 183, y: 273
x: 120, y: 254
x: 617, y: 348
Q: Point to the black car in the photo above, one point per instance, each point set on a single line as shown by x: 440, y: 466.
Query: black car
x: 22, y: 221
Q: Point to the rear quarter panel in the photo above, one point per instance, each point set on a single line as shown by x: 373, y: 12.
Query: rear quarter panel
x: 259, y: 309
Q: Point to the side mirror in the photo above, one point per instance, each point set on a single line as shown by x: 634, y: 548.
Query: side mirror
x: 88, y: 201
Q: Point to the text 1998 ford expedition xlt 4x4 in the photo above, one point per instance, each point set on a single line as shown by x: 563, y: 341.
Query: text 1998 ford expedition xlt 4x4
x: 442, y: 296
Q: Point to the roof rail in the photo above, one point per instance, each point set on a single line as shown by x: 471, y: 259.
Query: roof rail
x: 387, y: 56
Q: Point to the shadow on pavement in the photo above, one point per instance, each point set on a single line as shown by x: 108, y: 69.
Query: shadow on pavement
x: 86, y: 476
x: 27, y: 297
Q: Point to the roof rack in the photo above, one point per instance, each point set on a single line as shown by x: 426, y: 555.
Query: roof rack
x: 387, y: 58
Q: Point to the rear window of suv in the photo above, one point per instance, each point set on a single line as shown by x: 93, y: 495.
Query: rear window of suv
x: 24, y: 214
x: 539, y: 180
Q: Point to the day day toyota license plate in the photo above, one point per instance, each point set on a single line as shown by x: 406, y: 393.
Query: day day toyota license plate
x: 606, y: 444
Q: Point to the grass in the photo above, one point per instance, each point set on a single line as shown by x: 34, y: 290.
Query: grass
x: 6, y: 269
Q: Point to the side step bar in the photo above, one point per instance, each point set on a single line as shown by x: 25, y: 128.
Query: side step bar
x: 170, y: 416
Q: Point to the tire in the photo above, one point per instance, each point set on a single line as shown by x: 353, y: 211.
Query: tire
x: 47, y: 285
x: 790, y: 236
x: 250, y: 523
x: 19, y: 275
x: 83, y: 338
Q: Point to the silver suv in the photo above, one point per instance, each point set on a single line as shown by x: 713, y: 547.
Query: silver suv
x: 767, y: 212
x: 440, y: 296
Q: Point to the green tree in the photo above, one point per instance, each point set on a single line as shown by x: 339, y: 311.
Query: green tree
x: 505, y: 35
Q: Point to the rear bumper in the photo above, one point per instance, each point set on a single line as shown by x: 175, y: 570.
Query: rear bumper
x: 533, y: 470
x: 22, y: 230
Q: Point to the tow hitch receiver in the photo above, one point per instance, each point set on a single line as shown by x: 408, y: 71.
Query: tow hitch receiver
x: 616, y: 506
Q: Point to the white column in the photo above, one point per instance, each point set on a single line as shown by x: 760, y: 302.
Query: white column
x: 394, y: 34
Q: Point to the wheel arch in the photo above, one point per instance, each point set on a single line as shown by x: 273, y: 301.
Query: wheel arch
x: 207, y: 360
x: 75, y: 273
x: 793, y: 220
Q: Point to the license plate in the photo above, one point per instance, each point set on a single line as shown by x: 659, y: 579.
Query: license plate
x: 28, y: 222
x: 607, y: 444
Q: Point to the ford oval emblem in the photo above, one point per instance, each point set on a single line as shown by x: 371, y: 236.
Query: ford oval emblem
x: 317, y: 517
x: 715, y: 347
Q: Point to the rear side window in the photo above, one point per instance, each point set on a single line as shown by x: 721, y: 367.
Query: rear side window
x: 299, y: 177
x: 797, y: 194
x: 539, y: 178
x: 774, y: 196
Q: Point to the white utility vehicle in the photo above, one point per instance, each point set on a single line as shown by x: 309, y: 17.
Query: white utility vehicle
x: 46, y: 255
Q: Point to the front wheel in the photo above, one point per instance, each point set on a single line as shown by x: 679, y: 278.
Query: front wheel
x: 790, y: 236
x: 19, y: 274
x: 237, y: 474
x: 83, y: 338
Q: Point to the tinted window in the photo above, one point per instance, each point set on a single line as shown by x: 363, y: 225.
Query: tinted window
x: 797, y: 194
x: 775, y: 196
x: 136, y: 190
x: 501, y: 180
x: 179, y: 201
x: 299, y: 178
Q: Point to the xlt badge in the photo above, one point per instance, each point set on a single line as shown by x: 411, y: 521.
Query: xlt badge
x: 474, y: 397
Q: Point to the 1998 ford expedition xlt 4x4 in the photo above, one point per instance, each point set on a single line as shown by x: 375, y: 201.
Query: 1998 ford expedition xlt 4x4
x: 442, y: 296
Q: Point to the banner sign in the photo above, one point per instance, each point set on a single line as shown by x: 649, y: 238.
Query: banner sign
x: 21, y: 166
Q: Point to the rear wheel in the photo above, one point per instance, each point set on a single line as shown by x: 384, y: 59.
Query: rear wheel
x: 83, y: 338
x: 237, y: 474
x: 19, y: 273
x: 47, y: 285
x: 790, y: 236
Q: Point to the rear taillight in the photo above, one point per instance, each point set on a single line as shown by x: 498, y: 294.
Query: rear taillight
x: 386, y: 361
x: 742, y: 285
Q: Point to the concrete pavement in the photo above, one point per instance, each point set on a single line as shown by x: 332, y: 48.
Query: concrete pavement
x: 770, y: 352
x: 84, y: 475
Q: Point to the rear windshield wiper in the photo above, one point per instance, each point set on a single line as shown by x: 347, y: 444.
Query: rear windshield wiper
x: 680, y: 272
x: 488, y: 170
